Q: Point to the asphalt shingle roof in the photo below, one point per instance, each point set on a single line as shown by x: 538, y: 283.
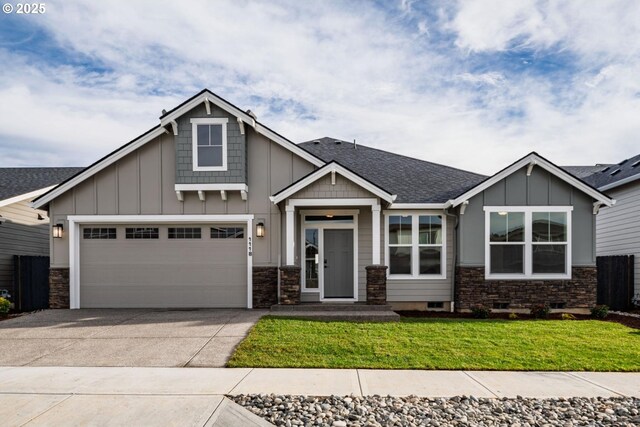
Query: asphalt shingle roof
x: 610, y: 174
x: 412, y: 180
x: 583, y: 171
x: 17, y: 181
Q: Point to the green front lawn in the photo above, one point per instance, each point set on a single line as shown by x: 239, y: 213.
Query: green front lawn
x: 427, y: 343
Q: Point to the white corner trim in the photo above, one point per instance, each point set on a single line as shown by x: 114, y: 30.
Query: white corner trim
x: 25, y: 196
x: 75, y: 221
x: 539, y: 161
x: 333, y: 168
x: 90, y: 171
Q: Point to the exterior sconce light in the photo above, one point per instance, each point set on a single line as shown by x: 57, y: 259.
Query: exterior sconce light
x: 57, y: 231
x: 260, y: 229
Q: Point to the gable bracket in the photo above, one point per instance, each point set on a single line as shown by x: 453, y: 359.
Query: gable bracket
x: 223, y: 195
x: 243, y: 194
x: 180, y: 196
x: 530, y: 167
x: 174, y: 125
x: 241, y: 124
x: 333, y: 177
x: 463, y: 207
x: 201, y: 195
x: 596, y: 207
x: 207, y: 105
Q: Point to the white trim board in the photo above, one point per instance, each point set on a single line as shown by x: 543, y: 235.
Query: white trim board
x: 74, y: 241
x: 536, y: 160
x: 25, y: 196
x: 195, y: 147
x: 211, y: 187
x: 325, y: 170
x: 621, y: 182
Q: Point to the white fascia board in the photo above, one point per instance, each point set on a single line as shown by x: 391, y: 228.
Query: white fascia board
x: 621, y: 182
x: 420, y: 206
x: 25, y: 196
x: 549, y: 167
x: 261, y: 129
x: 211, y: 187
x: 98, y: 167
x: 130, y: 219
x: 333, y: 167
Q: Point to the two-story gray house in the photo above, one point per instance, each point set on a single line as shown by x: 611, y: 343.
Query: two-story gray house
x: 211, y: 208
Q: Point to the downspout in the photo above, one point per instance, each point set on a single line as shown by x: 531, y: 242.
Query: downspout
x: 455, y: 255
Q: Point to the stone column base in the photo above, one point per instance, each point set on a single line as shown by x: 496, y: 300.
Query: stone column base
x: 289, y: 285
x: 59, y: 288
x: 376, y: 284
x: 265, y: 286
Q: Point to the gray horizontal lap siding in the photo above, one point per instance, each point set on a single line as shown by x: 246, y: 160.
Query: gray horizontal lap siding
x: 618, y: 227
x: 236, y: 151
x: 539, y: 189
x: 21, y: 234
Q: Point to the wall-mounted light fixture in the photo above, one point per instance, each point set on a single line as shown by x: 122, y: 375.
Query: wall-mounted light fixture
x: 260, y: 228
x: 56, y: 231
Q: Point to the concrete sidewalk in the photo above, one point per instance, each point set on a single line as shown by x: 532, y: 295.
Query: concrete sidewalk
x: 178, y: 396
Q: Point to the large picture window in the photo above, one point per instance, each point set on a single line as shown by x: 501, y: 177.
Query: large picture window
x: 528, y: 242
x: 415, y: 245
x: 209, y: 144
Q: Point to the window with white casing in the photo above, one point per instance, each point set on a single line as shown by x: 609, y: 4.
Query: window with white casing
x: 209, y: 144
x: 528, y: 242
x: 415, y: 245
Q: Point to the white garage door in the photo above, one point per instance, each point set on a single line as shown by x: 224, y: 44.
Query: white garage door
x: 196, y: 265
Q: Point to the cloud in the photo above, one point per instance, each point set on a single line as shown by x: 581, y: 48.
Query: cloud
x: 474, y: 85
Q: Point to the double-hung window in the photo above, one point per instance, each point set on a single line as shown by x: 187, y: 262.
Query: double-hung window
x: 415, y: 245
x: 528, y: 242
x: 209, y: 144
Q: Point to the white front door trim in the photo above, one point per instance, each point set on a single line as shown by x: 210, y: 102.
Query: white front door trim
x: 74, y: 241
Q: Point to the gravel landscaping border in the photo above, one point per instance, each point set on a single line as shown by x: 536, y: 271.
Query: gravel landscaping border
x: 336, y: 411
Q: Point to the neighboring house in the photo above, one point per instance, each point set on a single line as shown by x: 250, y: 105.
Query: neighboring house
x: 618, y: 228
x: 23, y: 230
x: 211, y: 208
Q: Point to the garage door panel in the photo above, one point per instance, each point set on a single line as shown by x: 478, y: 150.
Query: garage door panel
x: 163, y: 272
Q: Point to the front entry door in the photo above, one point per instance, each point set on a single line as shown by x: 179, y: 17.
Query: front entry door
x: 338, y: 264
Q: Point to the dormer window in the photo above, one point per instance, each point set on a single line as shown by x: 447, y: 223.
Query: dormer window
x: 209, y: 144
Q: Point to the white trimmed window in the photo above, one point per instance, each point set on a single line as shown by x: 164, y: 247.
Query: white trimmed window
x: 209, y: 137
x: 528, y: 242
x: 415, y: 245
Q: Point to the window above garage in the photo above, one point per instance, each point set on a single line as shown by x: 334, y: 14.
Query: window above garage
x: 209, y: 144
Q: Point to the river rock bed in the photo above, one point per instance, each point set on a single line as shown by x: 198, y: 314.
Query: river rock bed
x: 457, y: 411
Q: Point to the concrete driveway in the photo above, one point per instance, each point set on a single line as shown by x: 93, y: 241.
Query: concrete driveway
x: 125, y: 337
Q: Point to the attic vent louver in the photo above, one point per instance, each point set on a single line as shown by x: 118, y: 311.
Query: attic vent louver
x: 615, y: 172
x: 605, y: 169
x: 338, y: 142
x: 635, y: 164
x: 315, y: 142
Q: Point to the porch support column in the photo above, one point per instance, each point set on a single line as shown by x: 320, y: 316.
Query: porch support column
x: 291, y: 235
x: 375, y: 234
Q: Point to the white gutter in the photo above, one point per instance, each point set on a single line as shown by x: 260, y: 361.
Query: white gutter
x: 619, y: 183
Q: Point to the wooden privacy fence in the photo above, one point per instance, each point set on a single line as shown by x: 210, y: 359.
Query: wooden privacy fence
x: 615, y: 281
x: 31, y: 282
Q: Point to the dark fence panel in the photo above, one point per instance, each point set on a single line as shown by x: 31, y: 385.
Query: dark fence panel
x: 615, y: 281
x: 31, y: 282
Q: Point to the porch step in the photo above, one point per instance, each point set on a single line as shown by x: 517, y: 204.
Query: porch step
x: 327, y: 315
x: 333, y: 307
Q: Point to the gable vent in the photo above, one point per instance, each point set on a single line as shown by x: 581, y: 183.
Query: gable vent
x: 635, y: 164
x: 615, y: 172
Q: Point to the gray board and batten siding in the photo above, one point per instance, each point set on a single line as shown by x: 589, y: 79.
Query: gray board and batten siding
x: 540, y: 189
x: 143, y: 182
x: 618, y: 229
